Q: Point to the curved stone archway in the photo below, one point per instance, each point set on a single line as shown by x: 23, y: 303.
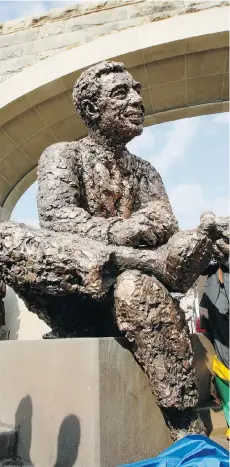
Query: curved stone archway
x: 182, y: 63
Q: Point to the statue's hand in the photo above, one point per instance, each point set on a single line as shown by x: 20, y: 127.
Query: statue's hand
x: 159, y: 214
x: 217, y: 228
x: 135, y: 231
x: 221, y: 249
x: 222, y: 246
x: 208, y: 223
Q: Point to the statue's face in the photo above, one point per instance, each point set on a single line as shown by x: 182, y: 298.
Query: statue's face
x: 120, y: 106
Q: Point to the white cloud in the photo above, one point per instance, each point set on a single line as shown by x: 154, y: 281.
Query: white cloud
x: 221, y: 206
x: 222, y: 119
x: 189, y: 201
x: 144, y: 145
x: 176, y: 142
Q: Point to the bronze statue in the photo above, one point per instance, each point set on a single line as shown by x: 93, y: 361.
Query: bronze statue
x: 109, y: 251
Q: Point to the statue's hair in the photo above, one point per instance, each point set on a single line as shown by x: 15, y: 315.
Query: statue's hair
x: 88, y: 85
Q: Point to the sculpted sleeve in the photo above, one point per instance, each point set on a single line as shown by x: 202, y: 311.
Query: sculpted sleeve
x: 155, y: 205
x: 60, y: 198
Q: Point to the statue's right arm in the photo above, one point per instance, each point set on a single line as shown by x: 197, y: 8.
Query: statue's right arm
x: 60, y: 199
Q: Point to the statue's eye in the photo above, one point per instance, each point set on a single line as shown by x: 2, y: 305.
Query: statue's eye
x: 137, y: 89
x: 120, y: 93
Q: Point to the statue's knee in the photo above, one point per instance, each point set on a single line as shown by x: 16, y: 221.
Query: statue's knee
x: 135, y: 293
x: 134, y: 287
x: 143, y: 302
x: 126, y: 286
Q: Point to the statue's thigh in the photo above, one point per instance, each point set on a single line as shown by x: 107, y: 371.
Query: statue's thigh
x: 156, y: 327
x: 142, y: 301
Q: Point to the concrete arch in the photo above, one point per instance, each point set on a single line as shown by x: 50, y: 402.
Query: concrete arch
x: 182, y: 63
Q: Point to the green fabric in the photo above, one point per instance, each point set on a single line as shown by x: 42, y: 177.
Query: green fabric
x: 223, y: 391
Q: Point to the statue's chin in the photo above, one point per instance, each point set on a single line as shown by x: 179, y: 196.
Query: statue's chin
x: 135, y: 131
x: 122, y: 134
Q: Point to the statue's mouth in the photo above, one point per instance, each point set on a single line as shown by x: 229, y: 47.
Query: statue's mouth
x: 136, y: 117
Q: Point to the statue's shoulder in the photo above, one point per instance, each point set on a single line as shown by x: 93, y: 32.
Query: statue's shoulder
x: 141, y: 164
x: 57, y: 152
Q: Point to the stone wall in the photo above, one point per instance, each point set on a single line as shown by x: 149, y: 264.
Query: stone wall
x: 24, y: 42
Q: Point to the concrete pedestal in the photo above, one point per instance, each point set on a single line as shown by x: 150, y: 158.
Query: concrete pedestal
x: 79, y: 402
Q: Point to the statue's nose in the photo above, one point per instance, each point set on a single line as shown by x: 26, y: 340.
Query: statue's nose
x: 134, y: 97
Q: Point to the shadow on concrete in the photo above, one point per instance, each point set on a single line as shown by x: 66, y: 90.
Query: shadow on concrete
x: 68, y: 442
x: 23, y: 422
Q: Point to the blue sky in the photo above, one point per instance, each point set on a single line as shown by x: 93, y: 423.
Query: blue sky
x: 192, y: 157
x: 190, y: 154
x: 17, y: 9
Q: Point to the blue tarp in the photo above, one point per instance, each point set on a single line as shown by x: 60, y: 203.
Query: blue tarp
x: 190, y: 451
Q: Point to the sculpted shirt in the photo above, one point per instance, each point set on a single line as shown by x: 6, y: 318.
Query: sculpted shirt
x: 85, y: 189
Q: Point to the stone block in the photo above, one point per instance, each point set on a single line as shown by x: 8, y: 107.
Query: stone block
x: 209, y: 62
x: 54, y: 42
x: 87, y: 403
x: 150, y: 7
x: 97, y: 5
x: 16, y: 25
x: 225, y: 90
x: 168, y: 95
x: 109, y: 28
x: 97, y: 19
x: 52, y: 29
x: 205, y: 89
x: 193, y: 6
x: 19, y: 37
x: 74, y: 24
x: 11, y: 52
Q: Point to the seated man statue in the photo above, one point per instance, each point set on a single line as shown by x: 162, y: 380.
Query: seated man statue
x: 110, y: 250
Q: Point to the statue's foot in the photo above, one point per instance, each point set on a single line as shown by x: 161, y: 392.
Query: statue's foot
x: 51, y: 335
x: 183, y: 422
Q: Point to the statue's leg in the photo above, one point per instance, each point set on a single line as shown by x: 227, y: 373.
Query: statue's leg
x: 160, y: 341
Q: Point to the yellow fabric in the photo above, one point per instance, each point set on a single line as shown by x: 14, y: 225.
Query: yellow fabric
x: 220, y: 369
x: 227, y: 434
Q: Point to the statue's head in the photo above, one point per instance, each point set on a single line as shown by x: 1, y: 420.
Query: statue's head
x: 108, y: 99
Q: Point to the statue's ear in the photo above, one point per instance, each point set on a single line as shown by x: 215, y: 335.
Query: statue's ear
x: 91, y: 110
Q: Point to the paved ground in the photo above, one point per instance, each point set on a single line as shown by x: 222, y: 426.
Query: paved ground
x: 219, y: 437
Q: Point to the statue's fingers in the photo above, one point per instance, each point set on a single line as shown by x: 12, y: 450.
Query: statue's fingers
x: 217, y: 253
x: 223, y: 246
x: 207, y: 215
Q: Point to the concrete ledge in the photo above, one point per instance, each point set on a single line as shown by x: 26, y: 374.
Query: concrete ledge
x: 79, y: 402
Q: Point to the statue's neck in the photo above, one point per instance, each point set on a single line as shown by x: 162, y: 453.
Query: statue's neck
x: 107, y: 143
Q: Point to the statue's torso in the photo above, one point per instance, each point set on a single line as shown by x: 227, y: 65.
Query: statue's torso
x: 109, y: 185
x: 85, y: 175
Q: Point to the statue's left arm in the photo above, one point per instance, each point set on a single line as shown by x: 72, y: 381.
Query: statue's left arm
x: 184, y: 254
x: 154, y: 204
